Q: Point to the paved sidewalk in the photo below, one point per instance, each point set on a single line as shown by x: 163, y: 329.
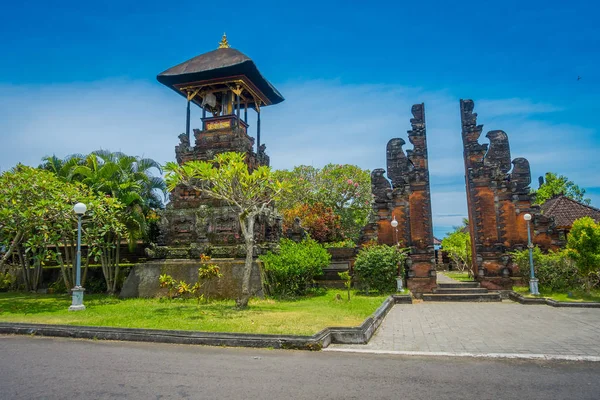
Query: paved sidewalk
x: 441, y: 278
x: 500, y: 329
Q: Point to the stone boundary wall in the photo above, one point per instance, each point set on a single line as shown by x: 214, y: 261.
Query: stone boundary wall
x: 322, y: 339
x: 143, y: 278
x: 529, y: 301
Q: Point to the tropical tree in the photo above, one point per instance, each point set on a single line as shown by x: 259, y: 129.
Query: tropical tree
x: 104, y: 231
x: 458, y: 246
x: 555, y: 185
x: 228, y: 179
x: 35, y: 208
x: 126, y: 178
x: 583, y: 246
x: 321, y: 223
x: 63, y: 168
x: 346, y: 189
x: 37, y: 224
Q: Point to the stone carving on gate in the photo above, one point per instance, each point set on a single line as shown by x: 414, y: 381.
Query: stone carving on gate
x: 405, y: 196
x: 497, y: 199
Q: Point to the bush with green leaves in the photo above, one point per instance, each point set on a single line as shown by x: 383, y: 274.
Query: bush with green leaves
x: 344, y: 244
x: 554, y: 270
x: 583, y: 247
x: 377, y: 267
x: 290, y: 272
x: 7, y: 280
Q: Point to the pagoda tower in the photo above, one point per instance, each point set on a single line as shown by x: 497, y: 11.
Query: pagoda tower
x: 226, y: 85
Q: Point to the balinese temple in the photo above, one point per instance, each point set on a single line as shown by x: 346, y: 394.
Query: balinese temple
x: 227, y: 86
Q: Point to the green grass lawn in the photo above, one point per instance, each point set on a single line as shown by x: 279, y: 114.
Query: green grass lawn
x: 576, y: 295
x: 305, y: 316
x: 458, y: 275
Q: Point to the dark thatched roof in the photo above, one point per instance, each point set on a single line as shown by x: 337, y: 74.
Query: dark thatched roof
x: 565, y: 211
x: 217, y: 64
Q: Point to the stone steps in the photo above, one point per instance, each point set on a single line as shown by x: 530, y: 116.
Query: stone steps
x: 458, y: 285
x: 459, y: 290
x: 465, y: 297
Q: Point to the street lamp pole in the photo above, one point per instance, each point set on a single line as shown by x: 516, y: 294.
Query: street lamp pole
x: 77, y: 291
x: 533, y: 282
x: 399, y: 282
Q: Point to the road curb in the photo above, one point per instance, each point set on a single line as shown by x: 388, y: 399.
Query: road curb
x: 514, y: 296
x: 339, y: 335
x: 547, y: 357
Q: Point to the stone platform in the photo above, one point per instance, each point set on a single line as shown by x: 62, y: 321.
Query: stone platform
x: 143, y: 278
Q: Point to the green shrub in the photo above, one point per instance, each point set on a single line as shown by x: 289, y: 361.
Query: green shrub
x: 290, y: 272
x: 7, y: 280
x: 346, y: 244
x: 555, y: 270
x: 583, y: 247
x: 376, y: 268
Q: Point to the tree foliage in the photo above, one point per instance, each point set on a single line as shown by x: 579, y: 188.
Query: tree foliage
x: 346, y: 189
x: 321, y: 223
x: 228, y: 179
x: 30, y: 203
x: 458, y: 246
x: 37, y: 223
x: 555, y: 185
x: 583, y: 246
x: 126, y: 178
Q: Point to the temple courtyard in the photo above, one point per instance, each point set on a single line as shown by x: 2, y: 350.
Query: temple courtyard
x: 504, y: 330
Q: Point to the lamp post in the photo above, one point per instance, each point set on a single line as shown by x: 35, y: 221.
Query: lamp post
x: 77, y: 291
x: 533, y: 283
x: 394, y: 224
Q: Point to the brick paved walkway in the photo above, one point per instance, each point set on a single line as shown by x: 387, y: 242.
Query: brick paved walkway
x: 484, y: 328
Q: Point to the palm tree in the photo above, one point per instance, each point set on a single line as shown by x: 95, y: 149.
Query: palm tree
x: 126, y: 178
x: 62, y: 168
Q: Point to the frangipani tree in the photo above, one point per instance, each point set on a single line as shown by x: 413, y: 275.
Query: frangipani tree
x: 37, y: 224
x: 228, y: 179
x: 104, y: 232
x: 30, y: 200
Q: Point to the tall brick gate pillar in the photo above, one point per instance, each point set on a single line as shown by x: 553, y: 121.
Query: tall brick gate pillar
x: 407, y: 200
x: 497, y: 198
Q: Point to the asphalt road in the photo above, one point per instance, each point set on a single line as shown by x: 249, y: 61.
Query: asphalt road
x: 48, y: 368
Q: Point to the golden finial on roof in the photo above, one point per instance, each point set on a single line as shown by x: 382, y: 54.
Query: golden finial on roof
x: 224, y: 44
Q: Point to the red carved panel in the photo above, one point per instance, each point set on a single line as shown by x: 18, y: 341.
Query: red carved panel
x: 418, y: 217
x: 486, y: 209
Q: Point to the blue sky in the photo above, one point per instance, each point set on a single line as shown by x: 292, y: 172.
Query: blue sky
x: 77, y: 76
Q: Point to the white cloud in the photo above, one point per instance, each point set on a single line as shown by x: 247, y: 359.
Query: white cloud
x: 320, y: 122
x: 515, y: 106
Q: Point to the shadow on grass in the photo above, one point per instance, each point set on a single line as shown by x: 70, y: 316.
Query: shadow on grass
x: 28, y: 303
x: 201, y: 311
x: 372, y: 294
